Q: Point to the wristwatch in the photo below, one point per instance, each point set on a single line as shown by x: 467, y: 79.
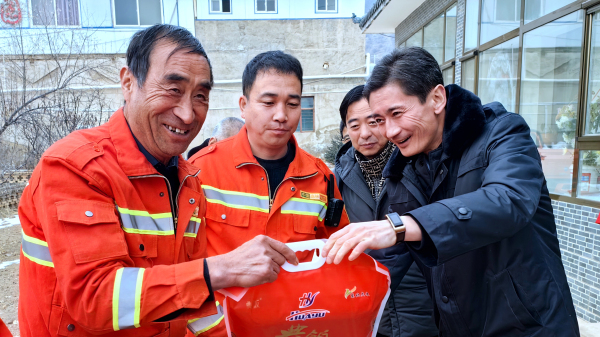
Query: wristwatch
x: 397, y: 226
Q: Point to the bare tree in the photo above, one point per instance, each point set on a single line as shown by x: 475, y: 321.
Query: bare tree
x: 48, y: 88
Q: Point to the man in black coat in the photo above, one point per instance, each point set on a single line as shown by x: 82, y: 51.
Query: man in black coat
x: 359, y: 175
x: 468, y: 203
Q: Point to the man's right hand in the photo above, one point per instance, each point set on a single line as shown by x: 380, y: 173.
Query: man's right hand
x: 255, y: 262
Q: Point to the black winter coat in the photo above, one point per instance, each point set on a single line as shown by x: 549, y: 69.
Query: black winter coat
x: 410, y: 310
x: 489, y: 252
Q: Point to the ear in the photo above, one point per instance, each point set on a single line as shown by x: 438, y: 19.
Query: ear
x: 212, y: 140
x: 243, y: 102
x: 438, y: 97
x: 127, y: 83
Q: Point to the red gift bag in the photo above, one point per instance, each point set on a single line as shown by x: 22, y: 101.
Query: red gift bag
x: 312, y: 299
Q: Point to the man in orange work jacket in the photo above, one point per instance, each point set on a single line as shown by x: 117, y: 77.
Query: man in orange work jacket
x: 113, y: 217
x: 260, y: 181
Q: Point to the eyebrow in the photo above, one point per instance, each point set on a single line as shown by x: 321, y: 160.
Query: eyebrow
x: 352, y: 120
x: 270, y: 94
x: 206, y: 85
x: 394, y: 107
x: 179, y: 78
x: 176, y: 78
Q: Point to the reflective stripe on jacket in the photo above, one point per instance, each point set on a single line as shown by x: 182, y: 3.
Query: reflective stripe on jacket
x: 239, y: 204
x: 101, y: 250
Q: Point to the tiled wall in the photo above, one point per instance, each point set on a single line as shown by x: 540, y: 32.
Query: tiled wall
x: 579, y: 238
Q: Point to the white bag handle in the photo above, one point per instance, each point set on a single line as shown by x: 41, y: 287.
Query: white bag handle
x: 301, y: 246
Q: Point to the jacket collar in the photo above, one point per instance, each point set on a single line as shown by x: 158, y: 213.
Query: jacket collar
x: 131, y: 160
x: 345, y: 160
x: 352, y: 177
x: 464, y: 122
x: 301, y: 166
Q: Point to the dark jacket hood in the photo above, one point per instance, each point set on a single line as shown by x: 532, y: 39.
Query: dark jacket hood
x: 464, y: 122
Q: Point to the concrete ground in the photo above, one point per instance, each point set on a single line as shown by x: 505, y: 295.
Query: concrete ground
x: 589, y: 329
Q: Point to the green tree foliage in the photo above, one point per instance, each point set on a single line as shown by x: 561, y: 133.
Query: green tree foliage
x: 331, y: 149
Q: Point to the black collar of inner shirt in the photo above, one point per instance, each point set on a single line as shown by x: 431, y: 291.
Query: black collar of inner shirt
x: 160, y: 167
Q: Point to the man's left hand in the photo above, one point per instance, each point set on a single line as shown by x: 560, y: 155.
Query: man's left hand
x: 360, y: 236
x: 366, y: 235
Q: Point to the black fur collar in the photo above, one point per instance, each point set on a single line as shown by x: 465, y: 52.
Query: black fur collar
x: 464, y: 122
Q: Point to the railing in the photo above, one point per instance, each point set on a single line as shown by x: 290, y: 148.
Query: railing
x: 11, y: 187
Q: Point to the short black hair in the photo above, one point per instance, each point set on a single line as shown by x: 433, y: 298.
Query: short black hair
x: 414, y: 69
x: 143, y: 42
x: 354, y: 95
x: 342, y: 126
x: 271, y: 60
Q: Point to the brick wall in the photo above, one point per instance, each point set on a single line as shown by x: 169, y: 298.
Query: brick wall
x: 579, y: 238
x: 460, y: 27
x: 11, y: 186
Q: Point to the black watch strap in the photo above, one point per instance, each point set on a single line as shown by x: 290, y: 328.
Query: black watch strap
x: 400, y: 237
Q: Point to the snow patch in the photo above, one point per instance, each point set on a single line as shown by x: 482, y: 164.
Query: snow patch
x: 8, y: 222
x: 8, y: 263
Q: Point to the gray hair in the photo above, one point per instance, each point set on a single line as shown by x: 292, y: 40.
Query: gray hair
x: 227, y: 127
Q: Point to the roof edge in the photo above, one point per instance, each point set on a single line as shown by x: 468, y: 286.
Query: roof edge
x: 372, y: 14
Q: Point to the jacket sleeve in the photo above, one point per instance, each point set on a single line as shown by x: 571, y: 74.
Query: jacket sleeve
x: 504, y: 204
x: 102, y: 288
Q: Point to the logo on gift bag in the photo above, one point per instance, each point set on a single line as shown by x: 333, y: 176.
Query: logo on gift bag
x: 351, y: 294
x: 297, y: 315
x: 308, y: 299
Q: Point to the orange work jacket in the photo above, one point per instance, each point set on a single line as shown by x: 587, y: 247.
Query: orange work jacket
x: 240, y: 205
x: 99, y: 250
x: 4, y: 332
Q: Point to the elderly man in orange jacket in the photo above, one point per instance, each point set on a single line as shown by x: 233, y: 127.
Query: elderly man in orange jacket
x: 113, y: 217
x: 260, y: 181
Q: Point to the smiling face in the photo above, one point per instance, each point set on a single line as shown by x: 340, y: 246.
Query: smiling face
x: 363, y: 130
x: 414, y: 127
x: 166, y: 114
x: 272, y: 112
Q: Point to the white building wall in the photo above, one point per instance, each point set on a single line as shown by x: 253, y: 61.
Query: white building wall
x: 286, y: 9
x: 96, y: 22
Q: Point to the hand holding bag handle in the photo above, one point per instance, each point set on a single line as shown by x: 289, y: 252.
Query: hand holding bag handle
x: 317, y: 262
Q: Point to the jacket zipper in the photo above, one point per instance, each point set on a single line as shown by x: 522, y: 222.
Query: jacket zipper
x: 272, y: 197
x: 174, y: 204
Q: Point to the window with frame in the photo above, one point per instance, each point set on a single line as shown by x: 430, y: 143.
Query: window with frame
x: 55, y: 12
x: 497, y: 74
x: 448, y: 75
x: 266, y: 6
x: 307, y: 119
x: 471, y: 25
x: 499, y: 17
x: 507, y: 10
x: 537, y: 8
x: 137, y: 12
x: 220, y: 6
x: 416, y: 40
x: 326, y: 5
x: 441, y: 45
x: 546, y: 68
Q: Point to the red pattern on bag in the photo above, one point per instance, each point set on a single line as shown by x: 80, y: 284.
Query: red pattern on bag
x: 334, y: 300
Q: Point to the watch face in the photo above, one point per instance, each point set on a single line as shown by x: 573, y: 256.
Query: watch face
x: 395, y: 218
